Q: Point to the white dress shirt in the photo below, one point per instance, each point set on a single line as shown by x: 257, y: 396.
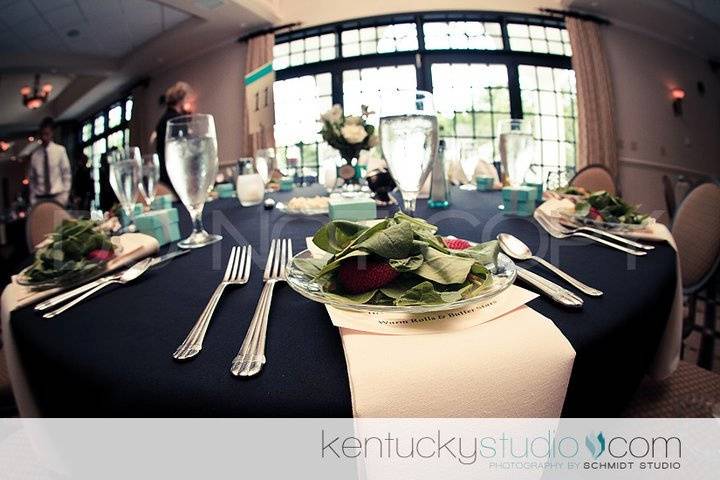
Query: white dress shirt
x: 59, y: 173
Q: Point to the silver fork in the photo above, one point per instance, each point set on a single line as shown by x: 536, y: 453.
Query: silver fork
x: 557, y: 232
x: 569, y: 227
x: 251, y: 357
x: 236, y: 273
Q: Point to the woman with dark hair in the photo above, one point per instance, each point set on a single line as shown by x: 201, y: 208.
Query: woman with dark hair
x: 179, y: 100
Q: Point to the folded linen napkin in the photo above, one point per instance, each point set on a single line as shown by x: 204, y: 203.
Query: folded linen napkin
x: 135, y: 246
x: 505, y: 360
x: 668, y: 353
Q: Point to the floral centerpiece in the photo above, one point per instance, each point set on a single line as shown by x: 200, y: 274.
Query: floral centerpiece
x: 349, y: 135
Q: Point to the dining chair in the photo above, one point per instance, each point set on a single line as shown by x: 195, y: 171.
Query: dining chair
x: 594, y: 178
x: 43, y: 218
x: 162, y: 189
x: 696, y: 230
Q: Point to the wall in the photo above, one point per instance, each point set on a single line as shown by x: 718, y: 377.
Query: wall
x: 315, y: 12
x: 217, y: 77
x: 652, y: 141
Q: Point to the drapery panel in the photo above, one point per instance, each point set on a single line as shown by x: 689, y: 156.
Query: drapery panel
x: 259, y: 52
x: 597, y: 142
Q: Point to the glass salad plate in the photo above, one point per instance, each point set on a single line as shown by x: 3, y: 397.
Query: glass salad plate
x: 503, y: 276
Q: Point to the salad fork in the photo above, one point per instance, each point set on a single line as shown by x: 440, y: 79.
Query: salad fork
x: 569, y: 228
x: 558, y: 232
x: 251, y: 357
x: 236, y: 273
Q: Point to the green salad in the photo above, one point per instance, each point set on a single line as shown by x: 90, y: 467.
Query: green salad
x: 75, y: 247
x: 572, y: 190
x: 399, y: 261
x: 602, y: 206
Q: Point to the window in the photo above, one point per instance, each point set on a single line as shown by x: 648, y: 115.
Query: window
x: 463, y: 36
x: 548, y: 98
x: 401, y: 37
x: 106, y: 129
x: 482, y: 67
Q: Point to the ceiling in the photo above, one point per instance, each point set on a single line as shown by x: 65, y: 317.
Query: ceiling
x: 92, y: 49
x: 89, y: 27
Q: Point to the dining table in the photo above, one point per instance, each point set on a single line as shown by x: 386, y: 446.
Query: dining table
x: 111, y: 356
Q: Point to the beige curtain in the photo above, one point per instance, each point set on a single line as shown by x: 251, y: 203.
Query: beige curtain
x: 259, y: 52
x: 597, y: 144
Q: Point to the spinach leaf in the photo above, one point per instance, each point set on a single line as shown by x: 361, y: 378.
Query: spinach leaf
x: 407, y: 264
x: 444, y: 268
x: 395, y: 242
x: 421, y: 294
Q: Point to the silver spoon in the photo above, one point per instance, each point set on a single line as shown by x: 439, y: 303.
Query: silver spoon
x: 128, y: 275
x: 515, y: 248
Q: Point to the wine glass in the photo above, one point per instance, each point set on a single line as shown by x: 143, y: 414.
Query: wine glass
x: 124, y: 180
x: 149, y: 176
x: 469, y: 159
x: 409, y: 140
x: 192, y: 163
x: 515, y: 144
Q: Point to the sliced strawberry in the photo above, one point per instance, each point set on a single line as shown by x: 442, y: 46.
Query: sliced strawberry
x: 456, y: 243
x: 595, y: 214
x: 99, y: 255
x: 362, y: 274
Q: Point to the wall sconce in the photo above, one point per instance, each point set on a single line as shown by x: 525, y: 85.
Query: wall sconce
x: 677, y: 95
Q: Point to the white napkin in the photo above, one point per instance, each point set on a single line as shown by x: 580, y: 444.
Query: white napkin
x: 134, y: 247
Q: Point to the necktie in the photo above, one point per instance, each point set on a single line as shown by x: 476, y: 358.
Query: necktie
x: 46, y: 172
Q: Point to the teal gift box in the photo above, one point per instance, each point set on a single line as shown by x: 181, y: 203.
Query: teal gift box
x: 286, y: 184
x: 225, y: 190
x: 162, y: 225
x: 352, y: 209
x: 519, y: 200
x: 161, y: 202
x: 539, y: 187
x: 484, y: 182
x: 137, y: 210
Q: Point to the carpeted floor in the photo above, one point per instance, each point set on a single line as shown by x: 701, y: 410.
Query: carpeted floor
x: 690, y: 392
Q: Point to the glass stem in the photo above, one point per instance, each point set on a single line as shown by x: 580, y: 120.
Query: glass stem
x: 196, y: 215
x: 409, y: 203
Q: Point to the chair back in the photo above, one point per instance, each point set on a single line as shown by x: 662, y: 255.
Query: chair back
x: 594, y: 178
x: 44, y: 217
x: 669, y: 192
x: 696, y: 230
x: 162, y: 189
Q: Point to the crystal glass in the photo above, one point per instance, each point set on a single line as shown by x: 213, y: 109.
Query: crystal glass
x: 516, y: 147
x: 409, y: 140
x: 149, y: 176
x: 192, y: 163
x: 469, y: 158
x: 124, y: 180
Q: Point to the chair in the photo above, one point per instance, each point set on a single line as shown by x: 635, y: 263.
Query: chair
x: 162, y: 189
x: 44, y: 217
x: 594, y: 178
x: 696, y: 230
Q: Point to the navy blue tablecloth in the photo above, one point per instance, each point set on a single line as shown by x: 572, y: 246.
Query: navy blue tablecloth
x: 111, y: 356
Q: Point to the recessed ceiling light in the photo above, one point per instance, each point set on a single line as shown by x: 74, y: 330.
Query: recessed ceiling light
x: 72, y: 33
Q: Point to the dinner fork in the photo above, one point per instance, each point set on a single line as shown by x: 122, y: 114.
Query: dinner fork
x: 569, y: 227
x: 557, y: 232
x: 251, y: 357
x: 237, y: 272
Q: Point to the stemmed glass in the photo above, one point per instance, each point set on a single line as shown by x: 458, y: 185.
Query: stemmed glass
x: 192, y: 163
x: 409, y: 140
x: 516, y: 147
x: 124, y: 180
x: 149, y: 176
x: 469, y: 159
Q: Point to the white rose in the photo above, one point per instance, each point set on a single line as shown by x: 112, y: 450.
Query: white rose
x: 334, y: 115
x: 353, y: 133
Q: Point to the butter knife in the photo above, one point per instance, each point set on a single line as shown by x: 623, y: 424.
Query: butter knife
x: 557, y: 293
x: 58, y: 299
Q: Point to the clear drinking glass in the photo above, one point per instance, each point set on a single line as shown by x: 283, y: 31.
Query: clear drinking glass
x: 124, y: 180
x: 469, y: 159
x: 409, y: 140
x: 192, y: 163
x: 149, y: 176
x: 516, y: 147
